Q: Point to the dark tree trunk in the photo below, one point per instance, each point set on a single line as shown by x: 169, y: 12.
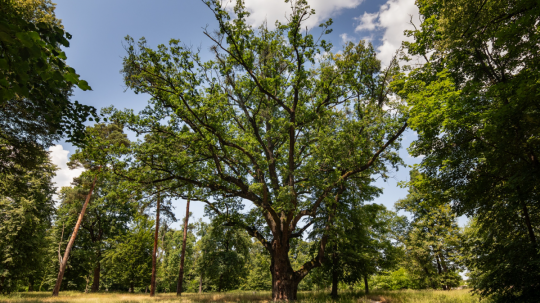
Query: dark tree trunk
x: 154, y: 261
x: 439, y: 269
x: 97, y: 272
x: 335, y: 277
x: 529, y: 225
x: 444, y: 268
x: 366, y: 286
x: 131, y: 288
x: 443, y: 263
x: 284, y: 280
x: 182, y: 257
x: 31, y: 285
x: 63, y: 264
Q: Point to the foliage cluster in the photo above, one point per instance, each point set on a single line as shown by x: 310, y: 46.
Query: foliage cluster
x: 35, y: 85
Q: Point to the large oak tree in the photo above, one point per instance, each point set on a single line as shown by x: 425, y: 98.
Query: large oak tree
x: 275, y: 122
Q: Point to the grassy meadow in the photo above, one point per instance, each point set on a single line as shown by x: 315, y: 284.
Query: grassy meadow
x: 406, y: 296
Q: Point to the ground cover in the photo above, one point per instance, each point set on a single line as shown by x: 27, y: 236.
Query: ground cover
x: 405, y: 296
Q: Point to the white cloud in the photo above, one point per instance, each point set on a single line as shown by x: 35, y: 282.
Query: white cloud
x: 346, y: 38
x: 64, y: 175
x: 272, y: 10
x: 392, y: 18
x: 367, y: 22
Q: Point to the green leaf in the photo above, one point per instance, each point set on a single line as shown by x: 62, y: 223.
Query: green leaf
x: 71, y: 77
x: 25, y: 38
x: 6, y: 37
x: 84, y: 85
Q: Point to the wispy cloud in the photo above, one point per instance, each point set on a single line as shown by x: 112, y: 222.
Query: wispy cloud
x: 270, y: 11
x: 393, y: 18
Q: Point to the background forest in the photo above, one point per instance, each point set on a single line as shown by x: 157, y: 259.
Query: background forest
x: 282, y: 138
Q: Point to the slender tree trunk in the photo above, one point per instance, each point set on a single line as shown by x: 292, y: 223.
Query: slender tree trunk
x: 30, y: 286
x: 97, y: 272
x: 335, y: 278
x: 200, y: 284
x: 63, y: 264
x: 131, y: 288
x: 182, y: 257
x: 529, y: 225
x: 439, y: 269
x: 156, y: 235
x: 366, y: 286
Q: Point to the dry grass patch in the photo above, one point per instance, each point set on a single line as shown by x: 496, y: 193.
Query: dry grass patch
x: 406, y: 296
x: 78, y: 297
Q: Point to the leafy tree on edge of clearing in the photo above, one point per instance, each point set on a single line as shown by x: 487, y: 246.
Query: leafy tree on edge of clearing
x: 108, y: 214
x: 475, y: 107
x: 433, y: 239
x: 224, y: 255
x: 128, y: 262
x: 25, y: 217
x: 102, y: 143
x: 361, y: 245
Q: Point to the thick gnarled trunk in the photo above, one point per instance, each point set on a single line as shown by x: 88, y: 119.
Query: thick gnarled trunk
x: 284, y: 280
x: 284, y: 288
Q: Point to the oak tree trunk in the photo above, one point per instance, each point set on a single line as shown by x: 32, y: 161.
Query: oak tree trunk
x: 181, y: 272
x: 63, y: 264
x: 153, y: 280
x: 284, y: 281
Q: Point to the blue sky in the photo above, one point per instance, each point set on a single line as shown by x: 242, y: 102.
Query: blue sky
x: 99, y: 27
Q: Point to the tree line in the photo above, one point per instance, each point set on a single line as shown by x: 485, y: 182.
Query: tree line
x: 281, y: 137
x: 114, y: 247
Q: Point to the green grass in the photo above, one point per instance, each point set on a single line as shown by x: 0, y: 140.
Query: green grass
x: 405, y: 296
